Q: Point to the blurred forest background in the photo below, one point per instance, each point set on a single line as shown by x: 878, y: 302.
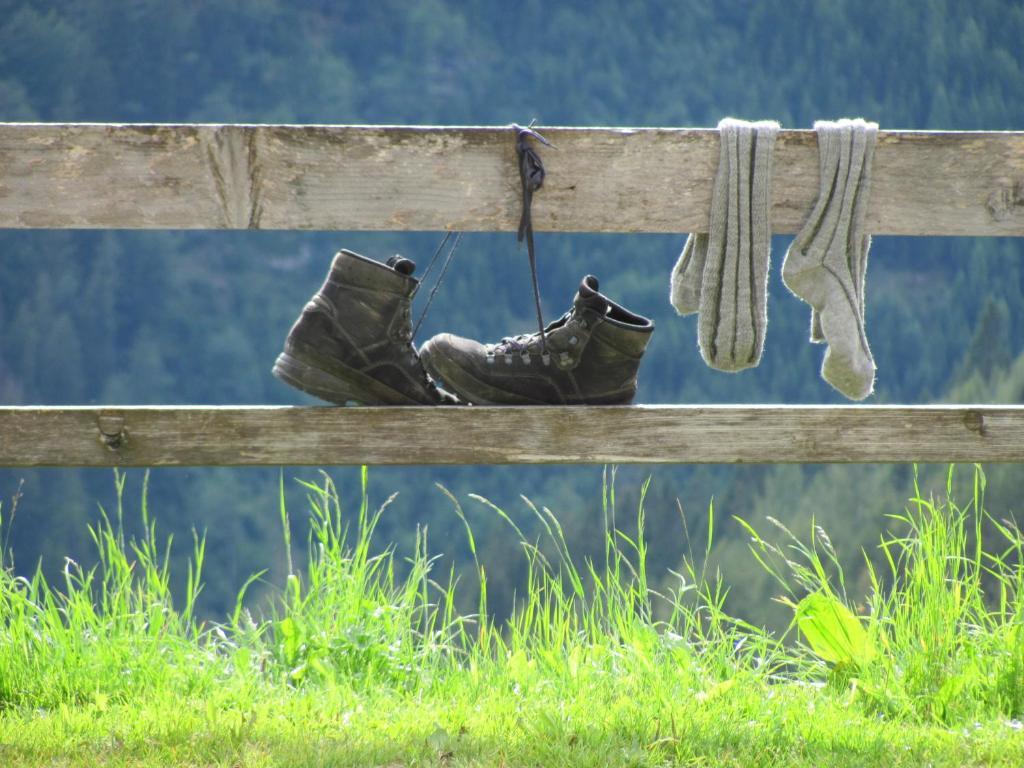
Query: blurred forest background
x: 198, y: 317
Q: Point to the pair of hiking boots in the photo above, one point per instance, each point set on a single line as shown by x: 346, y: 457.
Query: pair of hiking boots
x: 353, y: 344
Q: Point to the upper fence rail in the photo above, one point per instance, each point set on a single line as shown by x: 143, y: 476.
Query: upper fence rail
x: 465, y: 178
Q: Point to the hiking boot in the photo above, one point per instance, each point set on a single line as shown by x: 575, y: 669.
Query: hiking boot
x: 591, y: 356
x: 353, y: 340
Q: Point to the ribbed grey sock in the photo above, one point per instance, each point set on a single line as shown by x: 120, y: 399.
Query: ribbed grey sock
x: 724, y: 274
x: 827, y: 261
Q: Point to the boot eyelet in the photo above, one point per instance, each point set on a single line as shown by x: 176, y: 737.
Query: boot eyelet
x: 574, y: 339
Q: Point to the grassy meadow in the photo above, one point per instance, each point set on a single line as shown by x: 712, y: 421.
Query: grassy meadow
x: 365, y: 660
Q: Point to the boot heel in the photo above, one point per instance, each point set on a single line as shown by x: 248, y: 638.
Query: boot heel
x: 314, y: 381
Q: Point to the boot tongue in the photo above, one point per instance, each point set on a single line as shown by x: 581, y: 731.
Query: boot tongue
x: 589, y: 297
x: 402, y: 265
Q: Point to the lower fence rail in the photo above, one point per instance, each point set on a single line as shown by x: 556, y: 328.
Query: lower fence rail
x: 152, y: 436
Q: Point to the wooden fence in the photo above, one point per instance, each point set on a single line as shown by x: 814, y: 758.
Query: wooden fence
x: 434, y: 178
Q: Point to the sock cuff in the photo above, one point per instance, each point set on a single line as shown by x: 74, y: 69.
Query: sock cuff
x: 845, y: 123
x: 759, y: 126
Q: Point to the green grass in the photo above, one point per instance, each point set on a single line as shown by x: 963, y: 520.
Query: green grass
x: 360, y: 665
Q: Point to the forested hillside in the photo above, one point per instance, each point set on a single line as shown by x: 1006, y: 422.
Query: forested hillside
x: 198, y: 317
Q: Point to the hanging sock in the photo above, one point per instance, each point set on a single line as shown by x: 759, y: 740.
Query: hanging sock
x: 723, y: 274
x: 827, y: 261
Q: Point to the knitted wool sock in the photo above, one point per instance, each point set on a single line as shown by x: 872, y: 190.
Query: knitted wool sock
x: 827, y: 261
x: 724, y: 274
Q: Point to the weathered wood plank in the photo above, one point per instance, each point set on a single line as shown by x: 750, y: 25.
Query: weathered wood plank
x: 431, y: 178
x: 265, y: 435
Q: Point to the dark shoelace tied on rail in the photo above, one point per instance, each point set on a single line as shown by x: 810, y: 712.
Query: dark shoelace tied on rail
x: 531, y: 177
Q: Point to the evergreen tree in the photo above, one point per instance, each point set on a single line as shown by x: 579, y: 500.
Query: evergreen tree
x: 156, y: 317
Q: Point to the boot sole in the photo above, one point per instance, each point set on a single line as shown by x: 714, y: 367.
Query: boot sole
x: 465, y: 386
x: 338, y: 386
x: 469, y: 388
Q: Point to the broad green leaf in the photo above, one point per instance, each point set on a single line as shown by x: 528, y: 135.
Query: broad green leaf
x: 290, y: 639
x: 950, y: 691
x: 520, y: 668
x: 575, y: 656
x: 286, y: 627
x: 320, y: 667
x: 832, y: 631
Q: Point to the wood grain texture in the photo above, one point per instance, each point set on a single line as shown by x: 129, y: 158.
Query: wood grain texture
x: 465, y: 178
x: 271, y: 435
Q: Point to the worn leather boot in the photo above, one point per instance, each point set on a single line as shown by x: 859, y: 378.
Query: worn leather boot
x: 353, y: 341
x: 591, y: 356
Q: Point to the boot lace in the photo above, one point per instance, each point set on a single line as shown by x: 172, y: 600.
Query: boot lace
x: 440, y: 277
x: 528, y: 344
x: 531, y: 177
x: 404, y: 330
x: 511, y: 345
x: 405, y: 333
